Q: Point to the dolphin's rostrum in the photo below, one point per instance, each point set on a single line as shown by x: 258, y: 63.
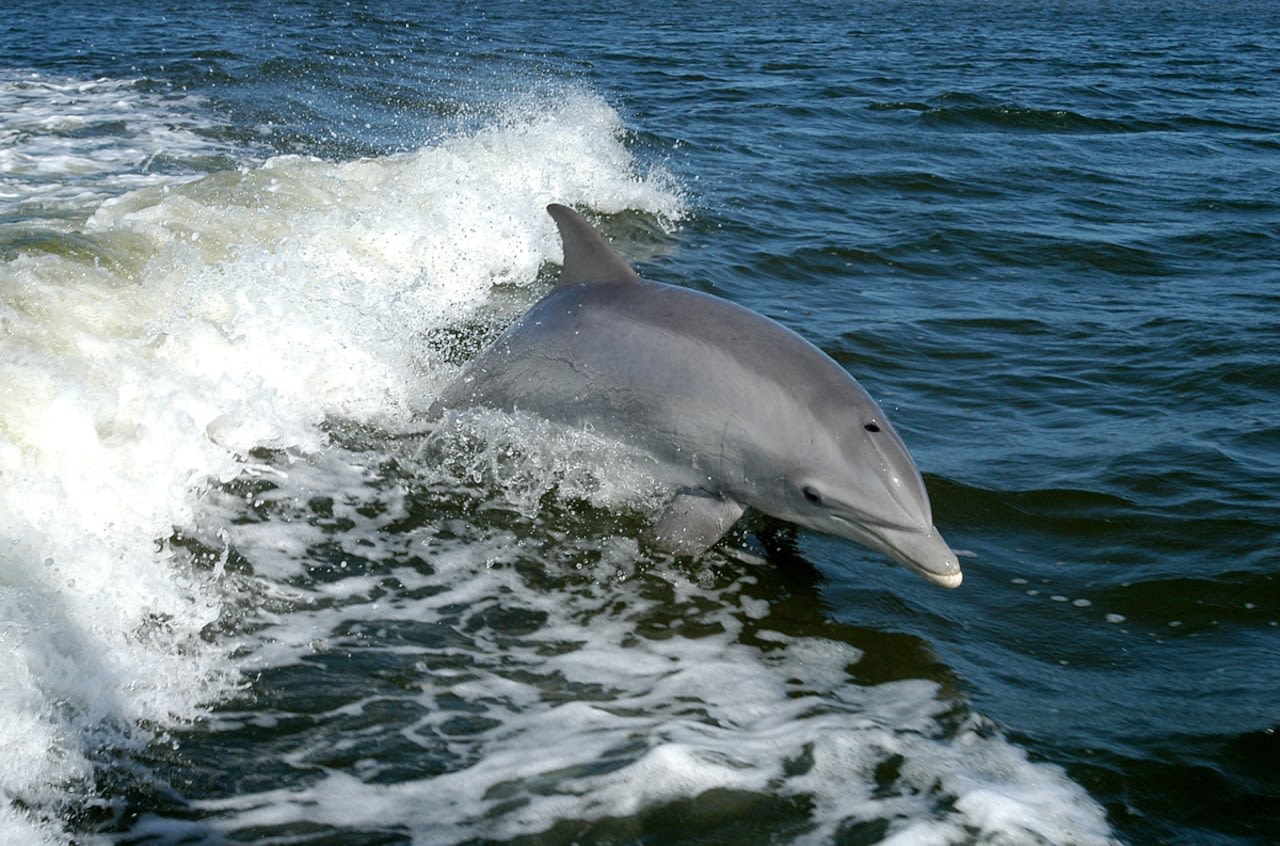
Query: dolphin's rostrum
x: 738, y: 410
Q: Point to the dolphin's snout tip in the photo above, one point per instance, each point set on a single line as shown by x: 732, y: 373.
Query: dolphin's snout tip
x: 927, y: 554
x: 937, y: 562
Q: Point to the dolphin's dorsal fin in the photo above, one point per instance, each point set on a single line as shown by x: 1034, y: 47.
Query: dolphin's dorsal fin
x: 588, y: 257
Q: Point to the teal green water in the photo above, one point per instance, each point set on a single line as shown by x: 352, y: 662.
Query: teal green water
x: 1043, y: 236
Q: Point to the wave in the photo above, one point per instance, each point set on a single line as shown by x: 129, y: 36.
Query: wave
x: 963, y: 110
x: 971, y: 111
x: 149, y: 352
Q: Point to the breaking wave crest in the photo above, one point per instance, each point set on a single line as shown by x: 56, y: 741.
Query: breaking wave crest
x: 147, y: 353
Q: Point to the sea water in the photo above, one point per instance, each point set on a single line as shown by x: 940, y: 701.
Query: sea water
x: 246, y: 595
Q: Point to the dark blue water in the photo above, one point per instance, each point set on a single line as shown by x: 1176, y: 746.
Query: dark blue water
x: 1044, y: 236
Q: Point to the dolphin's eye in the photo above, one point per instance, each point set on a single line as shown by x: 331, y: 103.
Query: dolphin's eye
x: 873, y: 426
x: 811, y: 496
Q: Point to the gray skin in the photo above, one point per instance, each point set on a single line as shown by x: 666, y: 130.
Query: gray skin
x: 737, y: 410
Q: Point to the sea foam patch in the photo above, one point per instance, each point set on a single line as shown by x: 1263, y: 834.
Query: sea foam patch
x: 510, y: 681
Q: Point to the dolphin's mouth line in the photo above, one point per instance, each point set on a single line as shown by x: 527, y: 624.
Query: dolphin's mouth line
x: 946, y: 580
x: 865, y: 520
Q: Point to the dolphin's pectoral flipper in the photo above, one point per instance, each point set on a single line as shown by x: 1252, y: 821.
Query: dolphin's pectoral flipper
x: 693, y: 521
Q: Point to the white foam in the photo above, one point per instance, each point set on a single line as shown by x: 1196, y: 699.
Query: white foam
x: 67, y: 144
x: 589, y: 718
x: 192, y: 322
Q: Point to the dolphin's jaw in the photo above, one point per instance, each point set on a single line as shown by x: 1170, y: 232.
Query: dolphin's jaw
x: 922, y: 551
x: 927, y: 554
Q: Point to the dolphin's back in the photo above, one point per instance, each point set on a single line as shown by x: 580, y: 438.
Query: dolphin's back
x: 680, y: 371
x: 640, y: 355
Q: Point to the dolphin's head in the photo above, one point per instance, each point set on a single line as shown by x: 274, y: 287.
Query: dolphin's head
x: 865, y: 487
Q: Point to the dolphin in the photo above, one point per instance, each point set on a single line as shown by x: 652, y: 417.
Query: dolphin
x: 737, y: 410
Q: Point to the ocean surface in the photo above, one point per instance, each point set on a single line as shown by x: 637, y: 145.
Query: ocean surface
x: 247, y: 596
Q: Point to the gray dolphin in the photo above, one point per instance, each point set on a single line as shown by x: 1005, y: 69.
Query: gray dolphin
x: 738, y: 410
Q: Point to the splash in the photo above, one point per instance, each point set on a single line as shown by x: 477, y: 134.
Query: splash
x: 147, y: 354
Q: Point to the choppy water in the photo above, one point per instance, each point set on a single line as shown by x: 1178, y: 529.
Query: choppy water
x: 242, y: 599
